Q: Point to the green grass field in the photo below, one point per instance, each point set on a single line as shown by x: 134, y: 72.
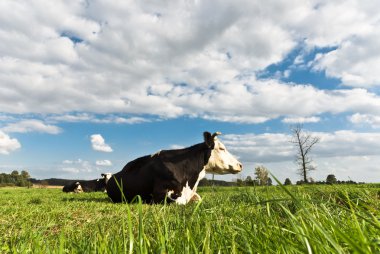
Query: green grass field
x: 276, y: 219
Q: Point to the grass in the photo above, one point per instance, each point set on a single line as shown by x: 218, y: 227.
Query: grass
x: 276, y: 219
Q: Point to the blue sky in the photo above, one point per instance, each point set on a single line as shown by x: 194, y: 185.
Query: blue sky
x: 90, y: 85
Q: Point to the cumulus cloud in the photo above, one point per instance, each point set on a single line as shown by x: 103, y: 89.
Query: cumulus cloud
x: 87, y: 117
x: 31, y: 125
x: 347, y: 143
x: 94, y: 58
x: 104, y: 163
x: 292, y: 120
x: 372, y: 120
x: 341, y: 153
x: 98, y: 144
x: 76, y: 166
x: 8, y: 144
x: 258, y: 101
x: 103, y: 62
x: 352, y: 60
x: 276, y: 147
x: 267, y: 147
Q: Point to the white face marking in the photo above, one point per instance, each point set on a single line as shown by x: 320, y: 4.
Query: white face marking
x: 78, y: 189
x: 107, y: 177
x: 188, y: 194
x: 221, y: 161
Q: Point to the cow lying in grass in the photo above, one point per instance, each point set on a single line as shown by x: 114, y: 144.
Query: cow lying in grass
x: 88, y: 186
x: 172, y: 175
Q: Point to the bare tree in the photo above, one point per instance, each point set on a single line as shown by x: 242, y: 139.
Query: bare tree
x: 303, y: 142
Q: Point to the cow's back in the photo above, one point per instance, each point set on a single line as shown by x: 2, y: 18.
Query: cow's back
x: 136, y: 178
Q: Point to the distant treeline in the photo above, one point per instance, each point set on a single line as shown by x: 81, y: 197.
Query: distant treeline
x: 207, y: 182
x: 323, y: 182
x: 15, y: 179
x: 23, y: 179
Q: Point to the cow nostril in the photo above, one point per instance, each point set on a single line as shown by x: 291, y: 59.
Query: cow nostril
x: 240, y: 166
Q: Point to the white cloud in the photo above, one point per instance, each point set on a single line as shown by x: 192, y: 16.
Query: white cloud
x: 8, y: 144
x: 67, y: 162
x: 355, y: 32
x: 183, y: 58
x: 104, y: 163
x: 131, y: 120
x: 353, y: 61
x: 267, y: 147
x: 106, y: 60
x: 254, y: 101
x: 347, y: 143
x: 4, y: 117
x: 98, y: 144
x: 344, y: 153
x: 76, y: 167
x: 86, y: 117
x: 372, y: 120
x: 70, y: 170
x: 276, y: 147
x: 31, y: 125
x: 291, y: 120
x: 82, y: 117
x: 243, y: 101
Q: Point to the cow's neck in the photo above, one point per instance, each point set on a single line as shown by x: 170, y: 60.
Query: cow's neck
x: 197, y: 152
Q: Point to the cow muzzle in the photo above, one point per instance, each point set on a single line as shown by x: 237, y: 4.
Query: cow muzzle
x: 236, y: 169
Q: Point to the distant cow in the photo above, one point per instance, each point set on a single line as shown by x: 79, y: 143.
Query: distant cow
x: 73, y: 187
x: 88, y: 186
x: 172, y: 174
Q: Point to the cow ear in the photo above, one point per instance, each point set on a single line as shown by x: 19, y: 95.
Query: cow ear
x: 209, y: 139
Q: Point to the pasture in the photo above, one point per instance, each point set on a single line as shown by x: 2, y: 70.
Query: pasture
x: 275, y: 219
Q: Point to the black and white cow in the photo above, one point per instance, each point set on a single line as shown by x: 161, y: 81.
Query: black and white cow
x: 172, y: 174
x: 89, y: 185
x: 73, y: 187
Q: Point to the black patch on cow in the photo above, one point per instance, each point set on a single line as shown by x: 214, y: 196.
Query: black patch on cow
x: 87, y: 186
x: 151, y: 177
x: 209, y: 139
x: 70, y: 187
x: 93, y: 185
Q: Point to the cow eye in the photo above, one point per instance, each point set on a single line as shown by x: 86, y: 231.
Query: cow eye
x: 222, y: 149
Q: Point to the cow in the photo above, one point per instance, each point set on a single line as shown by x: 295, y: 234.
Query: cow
x: 172, y: 175
x: 73, y: 187
x: 89, y: 185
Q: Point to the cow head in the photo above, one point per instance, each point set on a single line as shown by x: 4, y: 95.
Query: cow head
x: 78, y: 187
x: 220, y: 161
x: 106, y: 177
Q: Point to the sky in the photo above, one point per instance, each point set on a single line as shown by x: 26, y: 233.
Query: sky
x: 86, y: 86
